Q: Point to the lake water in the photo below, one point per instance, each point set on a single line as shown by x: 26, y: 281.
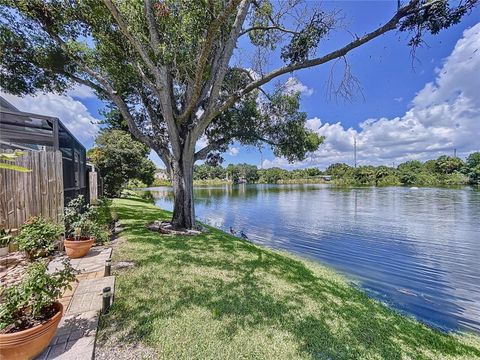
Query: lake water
x: 417, y: 250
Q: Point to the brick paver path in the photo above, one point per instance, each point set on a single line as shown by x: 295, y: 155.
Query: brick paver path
x: 75, y: 337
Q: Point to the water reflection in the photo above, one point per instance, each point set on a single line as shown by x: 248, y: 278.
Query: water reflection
x: 418, y: 250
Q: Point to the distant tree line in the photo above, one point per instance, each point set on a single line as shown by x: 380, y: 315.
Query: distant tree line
x: 246, y: 173
x: 445, y: 170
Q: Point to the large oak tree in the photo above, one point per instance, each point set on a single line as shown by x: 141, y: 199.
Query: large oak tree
x: 167, y: 67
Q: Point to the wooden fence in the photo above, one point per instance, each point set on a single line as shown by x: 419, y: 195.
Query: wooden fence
x: 93, y: 187
x: 36, y: 193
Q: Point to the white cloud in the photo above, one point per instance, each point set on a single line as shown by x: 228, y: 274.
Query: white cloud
x: 201, y: 143
x: 293, y: 85
x: 72, y: 113
x: 313, y: 124
x: 81, y: 92
x: 443, y: 116
x: 233, y: 151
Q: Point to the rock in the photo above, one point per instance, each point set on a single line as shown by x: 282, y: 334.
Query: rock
x: 122, y: 265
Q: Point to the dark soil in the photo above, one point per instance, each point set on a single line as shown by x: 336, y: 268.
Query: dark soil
x: 25, y: 321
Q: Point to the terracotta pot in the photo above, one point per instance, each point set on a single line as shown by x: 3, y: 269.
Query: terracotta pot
x: 77, y: 248
x: 30, y: 343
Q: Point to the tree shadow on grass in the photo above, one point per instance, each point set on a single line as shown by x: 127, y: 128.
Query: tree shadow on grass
x: 248, y: 287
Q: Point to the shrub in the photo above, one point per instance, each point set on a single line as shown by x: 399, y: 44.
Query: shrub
x: 37, y: 236
x: 29, y: 303
x: 104, y: 212
x: 73, y: 214
x: 126, y: 193
x: 389, y: 180
x: 93, y: 221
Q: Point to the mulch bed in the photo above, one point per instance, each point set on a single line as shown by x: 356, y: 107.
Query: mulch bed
x: 165, y: 227
x: 12, y: 268
x: 14, y: 264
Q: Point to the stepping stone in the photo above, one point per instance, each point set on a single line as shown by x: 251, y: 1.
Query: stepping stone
x: 94, y: 261
x: 74, y: 339
x: 88, y: 295
x: 75, y: 336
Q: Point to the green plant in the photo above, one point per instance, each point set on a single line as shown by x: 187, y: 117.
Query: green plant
x: 38, y: 236
x: 8, y: 159
x: 100, y: 233
x: 29, y: 302
x: 73, y: 214
x: 126, y: 193
x: 93, y: 221
x: 104, y: 212
x: 5, y: 237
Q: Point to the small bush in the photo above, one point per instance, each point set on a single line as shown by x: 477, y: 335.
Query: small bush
x: 38, y: 236
x: 29, y: 303
x: 104, y: 211
x: 126, y: 193
x: 94, y: 221
x: 73, y: 214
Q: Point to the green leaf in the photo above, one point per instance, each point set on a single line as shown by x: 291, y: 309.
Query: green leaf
x: 14, y: 167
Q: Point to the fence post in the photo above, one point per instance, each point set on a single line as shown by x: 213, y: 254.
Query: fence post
x: 93, y: 187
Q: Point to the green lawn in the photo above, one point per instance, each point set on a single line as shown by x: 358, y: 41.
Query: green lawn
x: 217, y: 297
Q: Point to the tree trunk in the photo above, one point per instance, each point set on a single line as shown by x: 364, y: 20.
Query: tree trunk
x: 182, y: 181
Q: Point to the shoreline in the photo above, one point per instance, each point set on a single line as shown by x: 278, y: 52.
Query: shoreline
x: 208, y: 283
x: 331, y: 184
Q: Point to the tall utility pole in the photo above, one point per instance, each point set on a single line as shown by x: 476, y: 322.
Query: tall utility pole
x: 454, y: 152
x: 355, y: 151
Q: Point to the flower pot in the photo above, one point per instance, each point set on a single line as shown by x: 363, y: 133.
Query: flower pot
x: 77, y: 248
x: 27, y: 344
x: 4, y: 250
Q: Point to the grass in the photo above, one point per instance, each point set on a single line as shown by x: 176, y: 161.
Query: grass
x: 218, y: 297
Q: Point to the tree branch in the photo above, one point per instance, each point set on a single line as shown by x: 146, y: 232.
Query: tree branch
x: 152, y: 29
x: 222, y: 66
x: 390, y: 25
x: 162, y: 79
x: 86, y: 82
x: 203, y: 153
x: 131, y: 38
x: 266, y: 28
x: 211, y: 35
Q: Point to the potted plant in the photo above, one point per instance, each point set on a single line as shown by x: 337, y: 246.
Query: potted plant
x: 80, y: 228
x: 5, y: 239
x: 78, y: 244
x: 30, y: 312
x: 37, y: 237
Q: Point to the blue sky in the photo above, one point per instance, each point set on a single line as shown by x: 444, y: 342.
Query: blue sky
x: 405, y: 102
